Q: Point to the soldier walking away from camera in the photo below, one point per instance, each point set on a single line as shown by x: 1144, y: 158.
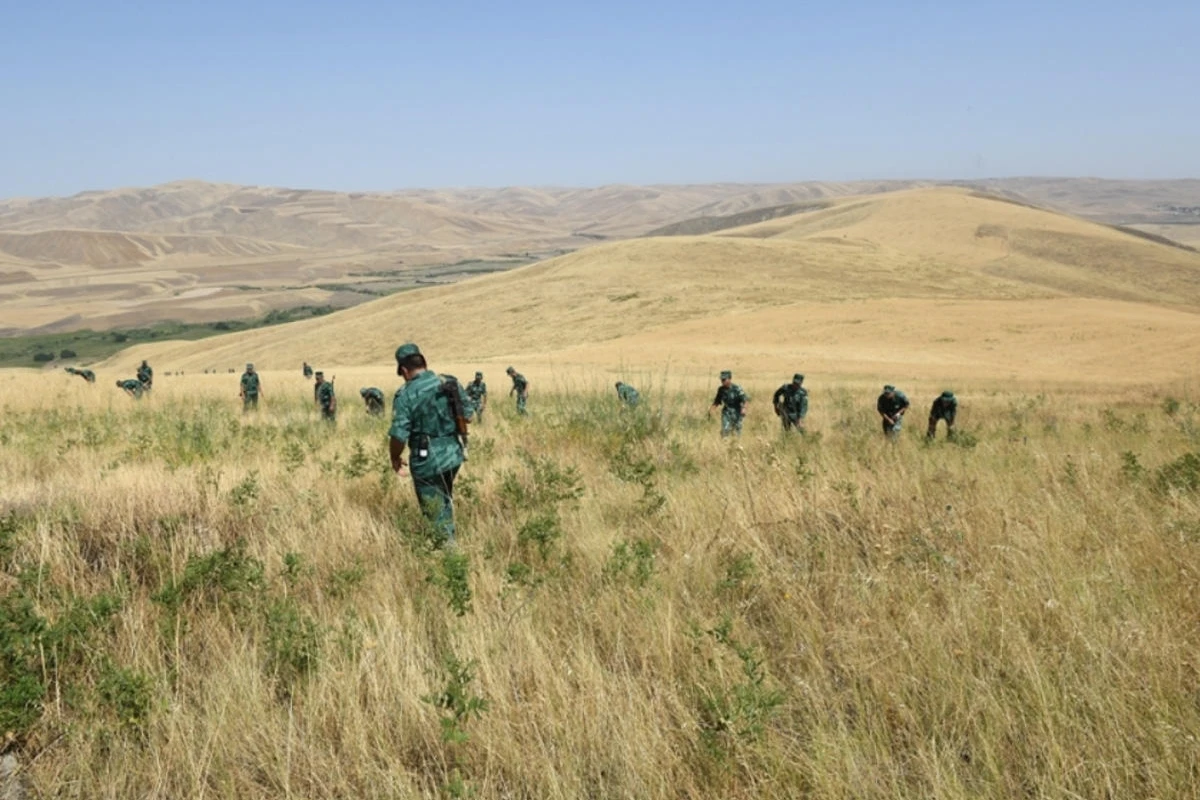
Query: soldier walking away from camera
x: 145, y: 375
x: 374, y: 399
x: 628, y: 395
x: 945, y: 406
x: 429, y: 416
x: 477, y: 394
x: 520, y: 387
x: 86, y: 374
x: 251, y: 389
x: 326, y: 400
x: 791, y: 403
x: 892, y: 405
x: 132, y: 387
x: 308, y: 372
x: 732, y: 401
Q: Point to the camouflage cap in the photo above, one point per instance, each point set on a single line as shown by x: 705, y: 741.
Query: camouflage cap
x: 947, y: 394
x: 726, y: 374
x: 249, y: 365
x: 319, y: 374
x: 510, y: 370
x: 406, y: 350
x: 889, y: 388
x: 798, y: 378
x: 363, y: 391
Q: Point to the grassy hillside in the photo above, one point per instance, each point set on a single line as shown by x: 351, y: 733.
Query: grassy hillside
x: 197, y: 603
x: 748, y: 293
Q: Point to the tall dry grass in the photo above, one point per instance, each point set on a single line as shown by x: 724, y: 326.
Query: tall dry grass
x: 248, y: 606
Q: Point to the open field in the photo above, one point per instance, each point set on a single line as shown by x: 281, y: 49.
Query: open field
x: 198, y: 602
x: 197, y: 252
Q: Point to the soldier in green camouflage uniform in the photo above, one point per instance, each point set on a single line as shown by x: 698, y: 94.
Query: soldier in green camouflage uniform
x: 945, y: 406
x: 326, y: 399
x: 308, y: 373
x: 521, y: 387
x: 86, y: 374
x: 628, y: 395
x: 374, y: 399
x: 791, y: 403
x: 732, y: 401
x: 477, y: 393
x: 132, y: 387
x: 423, y: 419
x: 146, y: 376
x: 892, y: 405
x: 251, y: 389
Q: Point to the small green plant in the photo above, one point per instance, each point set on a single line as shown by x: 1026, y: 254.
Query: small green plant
x: 293, y: 567
x: 245, y: 494
x: 455, y: 700
x: 632, y: 561
x: 227, y: 576
x: 1170, y: 406
x: 738, y: 572
x: 1131, y: 469
x: 542, y: 531
x: 293, y: 644
x: 293, y: 456
x: 453, y: 575
x: 128, y: 694
x: 358, y: 464
x: 743, y: 710
x: 1182, y: 474
x: 342, y: 582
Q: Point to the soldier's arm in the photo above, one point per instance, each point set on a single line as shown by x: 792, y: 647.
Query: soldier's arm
x: 395, y: 451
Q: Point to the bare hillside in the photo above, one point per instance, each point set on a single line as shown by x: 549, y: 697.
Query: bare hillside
x: 931, y: 247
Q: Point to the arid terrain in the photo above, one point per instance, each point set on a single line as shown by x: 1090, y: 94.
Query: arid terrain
x: 927, y: 283
x: 197, y: 601
x: 198, y: 252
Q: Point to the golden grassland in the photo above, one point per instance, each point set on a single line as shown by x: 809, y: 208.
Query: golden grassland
x: 938, y: 265
x: 205, y: 603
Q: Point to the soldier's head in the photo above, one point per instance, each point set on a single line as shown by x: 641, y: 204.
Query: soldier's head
x: 798, y: 379
x: 889, y: 390
x: 320, y: 376
x: 619, y: 384
x: 249, y: 368
x: 509, y: 371
x: 478, y: 376
x: 726, y: 377
x: 144, y: 364
x: 362, y: 392
x: 121, y: 384
x: 409, y: 360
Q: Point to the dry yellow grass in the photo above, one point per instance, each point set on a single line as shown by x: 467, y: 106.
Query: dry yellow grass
x: 913, y: 290
x: 831, y: 617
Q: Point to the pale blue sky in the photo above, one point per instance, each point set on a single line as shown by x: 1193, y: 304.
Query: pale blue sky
x: 373, y: 95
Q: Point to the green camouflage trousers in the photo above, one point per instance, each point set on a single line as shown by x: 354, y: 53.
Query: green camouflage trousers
x: 436, y: 496
x: 731, y: 422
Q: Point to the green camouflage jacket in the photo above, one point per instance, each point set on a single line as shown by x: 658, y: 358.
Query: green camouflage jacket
x: 791, y: 399
x: 732, y: 399
x: 250, y: 384
x: 422, y: 419
x: 325, y: 395
x: 476, y: 391
x: 628, y: 394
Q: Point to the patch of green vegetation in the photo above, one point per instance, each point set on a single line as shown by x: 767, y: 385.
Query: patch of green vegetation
x: 87, y: 346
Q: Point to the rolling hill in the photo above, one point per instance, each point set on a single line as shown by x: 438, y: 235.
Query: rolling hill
x: 927, y: 282
x: 129, y: 257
